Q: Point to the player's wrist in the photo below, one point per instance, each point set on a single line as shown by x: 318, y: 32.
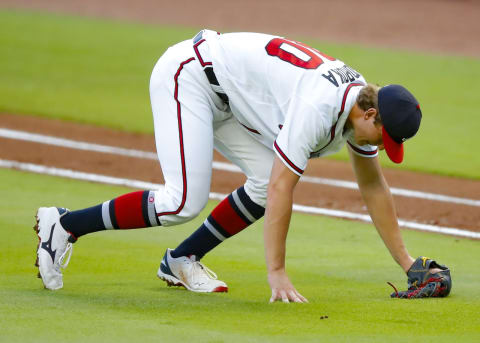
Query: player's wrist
x: 406, y: 263
x: 276, y: 270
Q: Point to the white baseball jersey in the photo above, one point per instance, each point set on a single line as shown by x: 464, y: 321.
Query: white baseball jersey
x: 291, y: 98
x: 282, y: 96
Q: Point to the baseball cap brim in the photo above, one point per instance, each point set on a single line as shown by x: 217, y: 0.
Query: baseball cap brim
x: 394, y: 150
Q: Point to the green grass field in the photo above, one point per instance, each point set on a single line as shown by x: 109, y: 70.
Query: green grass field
x: 94, y: 71
x: 111, y: 292
x: 89, y: 70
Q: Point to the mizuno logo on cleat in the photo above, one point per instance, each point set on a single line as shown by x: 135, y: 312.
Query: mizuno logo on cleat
x: 48, y: 245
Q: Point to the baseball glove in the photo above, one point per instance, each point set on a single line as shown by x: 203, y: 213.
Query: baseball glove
x: 422, y: 283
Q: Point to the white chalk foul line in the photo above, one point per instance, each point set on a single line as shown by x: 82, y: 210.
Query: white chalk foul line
x: 72, y: 174
x: 72, y: 144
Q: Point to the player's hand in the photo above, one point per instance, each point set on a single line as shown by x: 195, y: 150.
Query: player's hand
x: 426, y: 278
x: 282, y: 288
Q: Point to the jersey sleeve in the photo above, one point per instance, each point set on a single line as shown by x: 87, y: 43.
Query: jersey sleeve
x: 362, y: 150
x: 303, y: 128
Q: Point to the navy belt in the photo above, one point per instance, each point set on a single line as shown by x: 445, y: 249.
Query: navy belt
x: 208, y: 69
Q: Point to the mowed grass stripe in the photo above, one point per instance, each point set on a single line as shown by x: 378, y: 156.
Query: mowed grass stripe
x: 97, y: 71
x: 111, y: 292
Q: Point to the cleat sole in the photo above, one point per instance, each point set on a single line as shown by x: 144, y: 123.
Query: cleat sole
x: 37, y: 229
x: 220, y: 289
x: 171, y: 283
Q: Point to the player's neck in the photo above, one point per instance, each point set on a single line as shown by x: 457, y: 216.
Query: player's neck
x: 355, y: 112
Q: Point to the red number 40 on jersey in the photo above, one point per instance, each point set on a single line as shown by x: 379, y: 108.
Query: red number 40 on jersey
x: 296, y: 53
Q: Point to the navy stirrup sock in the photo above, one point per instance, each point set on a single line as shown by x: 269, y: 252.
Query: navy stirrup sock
x: 232, y: 215
x: 81, y: 222
x: 129, y: 211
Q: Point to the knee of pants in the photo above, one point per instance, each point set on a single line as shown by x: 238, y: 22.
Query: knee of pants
x: 256, y: 189
x: 175, y: 210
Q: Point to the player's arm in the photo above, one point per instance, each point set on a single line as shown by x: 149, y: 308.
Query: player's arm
x: 379, y: 201
x: 277, y: 220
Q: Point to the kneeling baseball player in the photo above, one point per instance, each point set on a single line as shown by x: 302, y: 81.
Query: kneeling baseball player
x: 268, y: 104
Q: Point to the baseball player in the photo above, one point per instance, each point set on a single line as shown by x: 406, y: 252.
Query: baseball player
x: 268, y: 104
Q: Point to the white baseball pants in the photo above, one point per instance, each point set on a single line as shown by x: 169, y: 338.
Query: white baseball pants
x: 190, y: 120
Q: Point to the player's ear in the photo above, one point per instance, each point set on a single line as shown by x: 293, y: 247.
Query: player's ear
x: 371, y: 112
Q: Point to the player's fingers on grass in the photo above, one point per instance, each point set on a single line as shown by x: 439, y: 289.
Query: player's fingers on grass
x: 301, y: 297
x: 284, y: 296
x: 274, y: 296
x: 297, y: 297
x: 293, y: 296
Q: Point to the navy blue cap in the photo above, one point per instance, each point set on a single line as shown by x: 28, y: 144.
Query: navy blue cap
x: 401, y: 115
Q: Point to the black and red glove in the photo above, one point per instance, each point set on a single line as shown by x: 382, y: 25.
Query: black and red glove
x: 424, y: 284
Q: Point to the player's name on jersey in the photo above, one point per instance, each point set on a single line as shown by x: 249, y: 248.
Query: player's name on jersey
x: 344, y: 74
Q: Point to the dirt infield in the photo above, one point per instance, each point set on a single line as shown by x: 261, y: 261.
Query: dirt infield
x: 410, y: 24
x: 419, y: 210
